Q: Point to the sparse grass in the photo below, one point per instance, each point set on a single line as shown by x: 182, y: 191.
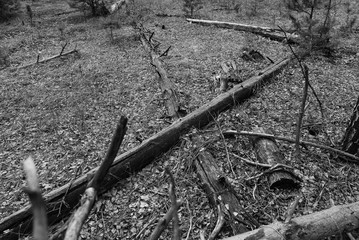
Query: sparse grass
x: 63, y: 113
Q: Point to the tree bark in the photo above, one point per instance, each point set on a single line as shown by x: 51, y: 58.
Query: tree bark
x: 350, y: 141
x: 221, y: 194
x: 314, y: 226
x: 270, y: 33
x: 267, y: 152
x: 139, y: 157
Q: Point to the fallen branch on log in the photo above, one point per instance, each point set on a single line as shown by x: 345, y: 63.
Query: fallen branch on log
x: 61, y: 54
x: 262, y: 31
x: 167, y: 86
x: 350, y: 157
x: 319, y: 225
x: 139, y: 157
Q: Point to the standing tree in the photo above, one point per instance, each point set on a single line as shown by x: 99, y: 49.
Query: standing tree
x: 313, y: 22
x: 97, y: 7
x: 351, y: 137
x: 192, y: 6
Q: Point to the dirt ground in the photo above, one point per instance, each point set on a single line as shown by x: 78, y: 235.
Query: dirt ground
x: 63, y: 113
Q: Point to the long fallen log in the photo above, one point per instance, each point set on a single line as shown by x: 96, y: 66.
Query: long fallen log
x: 137, y: 158
x: 274, y: 34
x: 167, y: 86
x: 318, y: 225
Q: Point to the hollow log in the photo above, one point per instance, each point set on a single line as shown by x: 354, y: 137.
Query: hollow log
x: 318, y: 225
x: 267, y: 152
x: 273, y: 34
x: 221, y: 194
x: 137, y: 158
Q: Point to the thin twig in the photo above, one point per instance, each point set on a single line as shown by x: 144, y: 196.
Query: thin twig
x: 63, y: 48
x: 224, y: 144
x: 190, y: 221
x: 263, y: 165
x: 351, y: 157
x: 165, y: 52
x: 305, y: 72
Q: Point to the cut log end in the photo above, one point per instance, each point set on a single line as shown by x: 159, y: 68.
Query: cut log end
x: 283, y: 180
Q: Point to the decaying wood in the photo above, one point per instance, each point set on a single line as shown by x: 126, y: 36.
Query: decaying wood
x: 222, y: 196
x: 40, y: 231
x: 167, y: 86
x: 61, y: 54
x: 318, y: 225
x: 270, y: 33
x: 137, y: 158
x: 348, y: 156
x: 88, y: 199
x: 267, y: 152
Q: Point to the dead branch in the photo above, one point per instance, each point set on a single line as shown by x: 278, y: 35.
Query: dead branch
x: 262, y: 31
x: 167, y: 86
x: 352, y: 158
x: 40, y: 231
x: 305, y: 72
x: 89, y: 198
x: 111, y: 154
x: 48, y: 59
x: 163, y: 223
x: 63, y: 48
x: 172, y: 193
x: 219, y: 224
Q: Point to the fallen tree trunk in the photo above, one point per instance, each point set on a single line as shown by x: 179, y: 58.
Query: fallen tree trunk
x: 167, y: 86
x: 222, y: 196
x: 139, y: 157
x: 314, y: 226
x: 270, y: 33
x: 267, y: 152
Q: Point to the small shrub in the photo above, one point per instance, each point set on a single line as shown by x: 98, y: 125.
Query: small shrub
x: 97, y: 7
x: 313, y: 22
x: 4, y: 57
x: 191, y: 6
x: 8, y: 8
x: 350, y: 9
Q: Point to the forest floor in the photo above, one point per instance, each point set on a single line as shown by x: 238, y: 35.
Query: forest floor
x: 63, y: 113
